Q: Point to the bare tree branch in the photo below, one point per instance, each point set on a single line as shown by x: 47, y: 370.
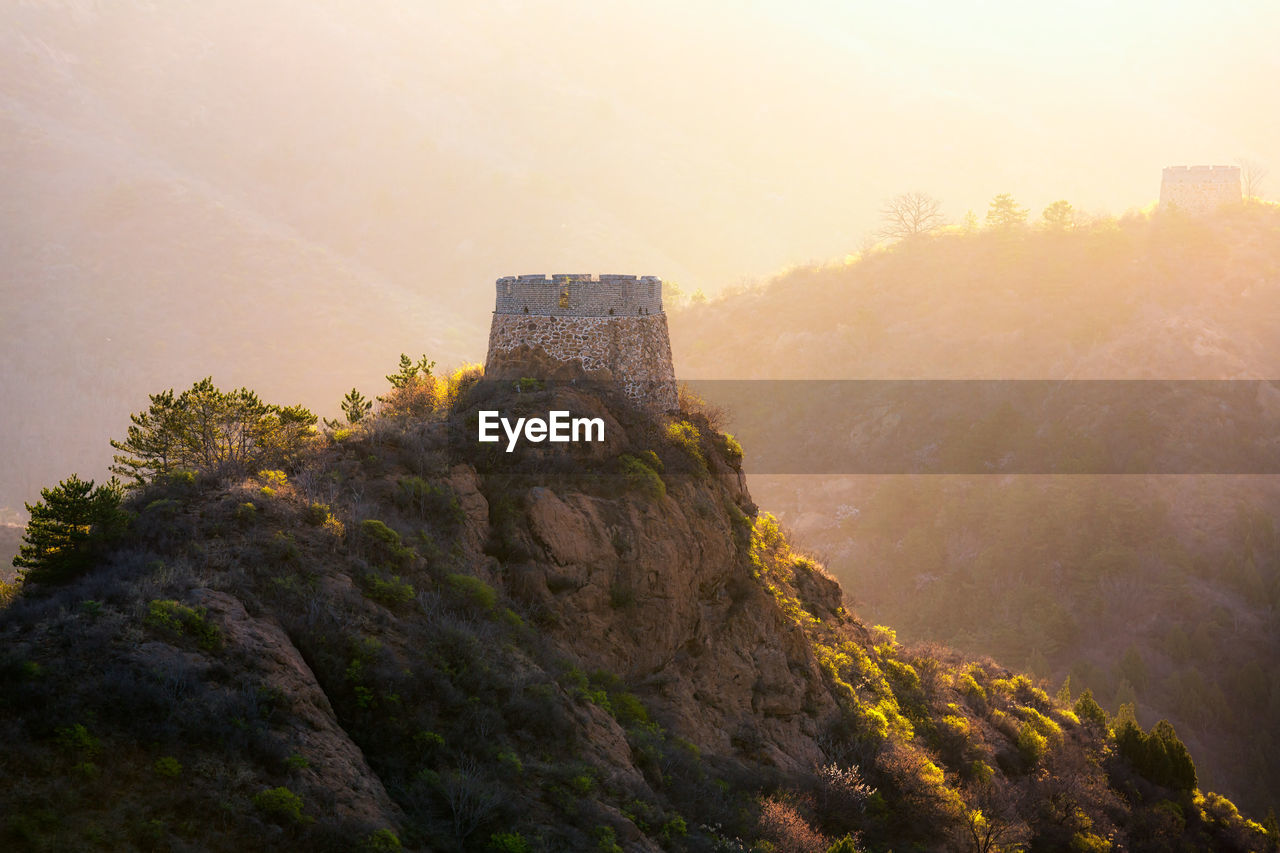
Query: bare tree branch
x: 910, y: 214
x: 1252, y: 174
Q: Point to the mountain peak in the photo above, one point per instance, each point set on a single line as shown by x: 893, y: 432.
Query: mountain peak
x: 403, y: 638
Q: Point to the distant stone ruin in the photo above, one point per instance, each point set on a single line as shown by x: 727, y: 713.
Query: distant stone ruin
x: 608, y: 328
x: 1200, y: 189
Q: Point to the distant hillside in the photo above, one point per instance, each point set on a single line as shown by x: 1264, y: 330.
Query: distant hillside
x: 1161, y: 590
x: 402, y: 641
x: 1162, y: 296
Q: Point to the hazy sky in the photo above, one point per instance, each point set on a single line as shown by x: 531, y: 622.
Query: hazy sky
x: 822, y: 109
x: 704, y: 142
x: 324, y: 184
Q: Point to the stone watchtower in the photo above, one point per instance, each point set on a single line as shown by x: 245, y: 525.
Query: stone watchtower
x: 610, y: 329
x: 1200, y: 189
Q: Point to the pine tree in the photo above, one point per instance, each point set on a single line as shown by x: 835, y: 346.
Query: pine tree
x: 1059, y: 216
x: 1005, y: 213
x: 206, y: 429
x: 414, y: 391
x: 355, y: 406
x: 1064, y: 692
x: 409, y: 370
x: 70, y: 528
x: 1168, y: 761
x: 1089, y: 711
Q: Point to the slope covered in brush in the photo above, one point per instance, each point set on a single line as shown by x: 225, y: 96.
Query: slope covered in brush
x: 1154, y: 590
x: 1158, y: 295
x: 401, y: 637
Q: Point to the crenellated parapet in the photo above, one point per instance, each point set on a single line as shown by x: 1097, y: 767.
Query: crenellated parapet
x: 1200, y: 189
x: 579, y: 295
x: 1197, y: 174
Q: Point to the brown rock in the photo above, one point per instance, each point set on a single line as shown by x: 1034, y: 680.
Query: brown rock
x: 335, y: 763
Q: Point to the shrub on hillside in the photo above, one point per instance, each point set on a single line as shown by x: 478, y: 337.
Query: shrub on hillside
x: 731, y: 449
x: 384, y: 545
x: 389, y: 590
x: 841, y: 796
x: 428, y: 501
x: 474, y: 591
x: 179, y: 619
x: 1089, y: 711
x: 642, y: 477
x: 280, y: 804
x: 783, y: 824
x: 686, y: 436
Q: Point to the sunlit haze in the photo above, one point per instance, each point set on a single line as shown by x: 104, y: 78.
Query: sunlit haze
x: 890, y: 464
x: 705, y: 142
x: 326, y: 184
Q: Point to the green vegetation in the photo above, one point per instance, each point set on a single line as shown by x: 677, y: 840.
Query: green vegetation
x: 731, y: 449
x: 1005, y: 213
x: 414, y: 391
x: 168, y: 767
x: 280, y: 804
x: 686, y: 436
x: 355, y: 408
x: 179, y: 619
x: 1197, y: 666
x: 1089, y: 711
x: 410, y: 371
x: 428, y: 501
x: 642, y: 476
x: 77, y: 741
x: 509, y: 842
x: 527, y: 384
x: 504, y: 704
x: 474, y: 590
x: 381, y: 841
x: 384, y: 544
x: 71, y: 527
x: 208, y: 430
x: 391, y: 590
x: 273, y: 479
x: 1158, y: 755
x: 774, y: 564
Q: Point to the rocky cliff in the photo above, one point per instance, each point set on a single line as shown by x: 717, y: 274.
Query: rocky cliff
x: 411, y: 639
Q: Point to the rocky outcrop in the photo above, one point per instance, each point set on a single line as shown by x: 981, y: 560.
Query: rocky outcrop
x: 332, y: 761
x: 594, y: 648
x: 660, y: 592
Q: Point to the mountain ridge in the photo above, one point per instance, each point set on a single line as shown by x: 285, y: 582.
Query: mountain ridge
x: 1060, y: 575
x: 402, y: 637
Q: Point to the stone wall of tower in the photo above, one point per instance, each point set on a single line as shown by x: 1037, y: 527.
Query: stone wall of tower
x: 611, y: 329
x: 1200, y: 189
x: 579, y: 295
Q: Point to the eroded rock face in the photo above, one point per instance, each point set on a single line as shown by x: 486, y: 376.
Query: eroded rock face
x: 475, y: 509
x: 334, y: 762
x: 659, y: 592
x: 360, y: 655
